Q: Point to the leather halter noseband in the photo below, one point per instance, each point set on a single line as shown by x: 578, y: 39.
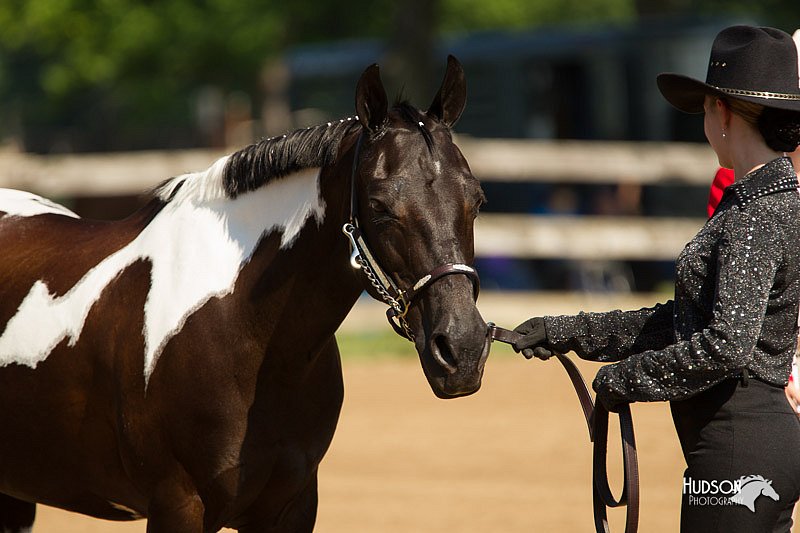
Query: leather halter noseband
x: 398, y: 300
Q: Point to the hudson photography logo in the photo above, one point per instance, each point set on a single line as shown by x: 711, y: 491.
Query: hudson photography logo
x: 743, y: 491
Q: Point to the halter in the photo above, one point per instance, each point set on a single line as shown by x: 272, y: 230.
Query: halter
x: 361, y: 258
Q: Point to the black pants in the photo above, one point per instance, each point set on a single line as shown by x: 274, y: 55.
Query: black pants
x: 730, y: 434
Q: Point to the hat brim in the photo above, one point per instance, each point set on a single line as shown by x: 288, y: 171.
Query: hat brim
x: 685, y: 93
x: 688, y: 94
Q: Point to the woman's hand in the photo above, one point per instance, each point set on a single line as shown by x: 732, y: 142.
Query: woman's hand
x: 611, y: 399
x: 534, y: 340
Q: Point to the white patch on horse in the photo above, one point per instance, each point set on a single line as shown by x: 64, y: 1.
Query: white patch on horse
x: 197, y: 245
x: 25, y: 204
x: 124, y: 509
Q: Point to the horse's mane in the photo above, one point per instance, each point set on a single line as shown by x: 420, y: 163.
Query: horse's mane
x: 254, y: 166
x: 257, y: 164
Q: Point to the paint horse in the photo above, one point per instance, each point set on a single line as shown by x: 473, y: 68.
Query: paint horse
x: 180, y: 365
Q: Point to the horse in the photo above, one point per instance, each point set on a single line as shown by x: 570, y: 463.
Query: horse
x: 180, y: 365
x: 750, y: 488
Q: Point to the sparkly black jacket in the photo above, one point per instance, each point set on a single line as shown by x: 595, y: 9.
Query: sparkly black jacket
x: 736, y: 301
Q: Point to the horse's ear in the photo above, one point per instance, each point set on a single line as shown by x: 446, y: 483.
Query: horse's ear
x: 449, y: 102
x: 371, y: 103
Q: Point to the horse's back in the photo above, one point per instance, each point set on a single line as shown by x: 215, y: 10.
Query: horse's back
x: 26, y: 204
x: 43, y: 240
x: 35, y: 232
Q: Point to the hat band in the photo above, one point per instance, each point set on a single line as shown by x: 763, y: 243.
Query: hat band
x: 758, y: 94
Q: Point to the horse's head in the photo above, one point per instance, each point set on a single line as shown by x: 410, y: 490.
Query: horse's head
x: 417, y: 203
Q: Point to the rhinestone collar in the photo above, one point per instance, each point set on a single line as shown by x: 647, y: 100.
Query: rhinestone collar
x: 776, y: 176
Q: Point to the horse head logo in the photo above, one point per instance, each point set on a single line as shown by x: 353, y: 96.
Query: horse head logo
x: 750, y: 488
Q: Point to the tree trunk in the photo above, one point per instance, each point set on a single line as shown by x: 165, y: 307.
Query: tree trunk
x: 410, y: 63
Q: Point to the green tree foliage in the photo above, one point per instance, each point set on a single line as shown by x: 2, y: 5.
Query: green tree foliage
x: 129, y: 65
x: 68, y: 61
x: 466, y: 15
x: 112, y: 74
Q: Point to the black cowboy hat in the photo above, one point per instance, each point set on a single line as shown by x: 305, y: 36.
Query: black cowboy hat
x: 757, y: 65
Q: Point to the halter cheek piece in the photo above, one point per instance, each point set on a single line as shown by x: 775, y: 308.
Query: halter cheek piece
x: 398, y: 300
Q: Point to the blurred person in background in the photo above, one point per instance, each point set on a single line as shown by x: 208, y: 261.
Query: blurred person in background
x: 722, y: 350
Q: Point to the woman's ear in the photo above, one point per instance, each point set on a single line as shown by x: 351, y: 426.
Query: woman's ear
x: 723, y: 111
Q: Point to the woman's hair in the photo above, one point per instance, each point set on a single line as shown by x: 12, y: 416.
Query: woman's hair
x: 780, y: 128
x: 749, y: 111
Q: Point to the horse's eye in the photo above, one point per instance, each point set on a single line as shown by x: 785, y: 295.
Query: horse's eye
x: 379, y: 208
x: 382, y: 214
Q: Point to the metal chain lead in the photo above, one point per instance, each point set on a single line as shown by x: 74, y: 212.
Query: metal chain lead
x: 379, y: 288
x: 387, y: 298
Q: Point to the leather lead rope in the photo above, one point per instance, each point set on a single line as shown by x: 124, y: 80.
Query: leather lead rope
x: 597, y: 422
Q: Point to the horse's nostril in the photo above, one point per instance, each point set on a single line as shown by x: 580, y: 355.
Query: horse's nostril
x: 443, y: 354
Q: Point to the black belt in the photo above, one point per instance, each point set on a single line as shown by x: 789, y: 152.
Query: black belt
x: 744, y: 377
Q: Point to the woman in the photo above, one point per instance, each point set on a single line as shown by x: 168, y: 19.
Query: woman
x: 721, y: 351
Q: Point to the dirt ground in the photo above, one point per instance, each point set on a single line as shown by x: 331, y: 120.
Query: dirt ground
x: 514, y: 457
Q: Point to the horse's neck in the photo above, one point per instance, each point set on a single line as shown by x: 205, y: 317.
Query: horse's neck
x: 298, y: 257
x: 201, y: 248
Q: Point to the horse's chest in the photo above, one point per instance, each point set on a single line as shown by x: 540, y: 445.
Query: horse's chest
x: 266, y: 449
x: 276, y: 467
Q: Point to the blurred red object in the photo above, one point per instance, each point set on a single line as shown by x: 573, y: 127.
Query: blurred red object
x: 722, y: 179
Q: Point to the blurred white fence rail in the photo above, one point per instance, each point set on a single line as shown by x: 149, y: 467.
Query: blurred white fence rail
x: 645, y: 163
x: 132, y: 173
x: 614, y: 238
x: 88, y: 175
